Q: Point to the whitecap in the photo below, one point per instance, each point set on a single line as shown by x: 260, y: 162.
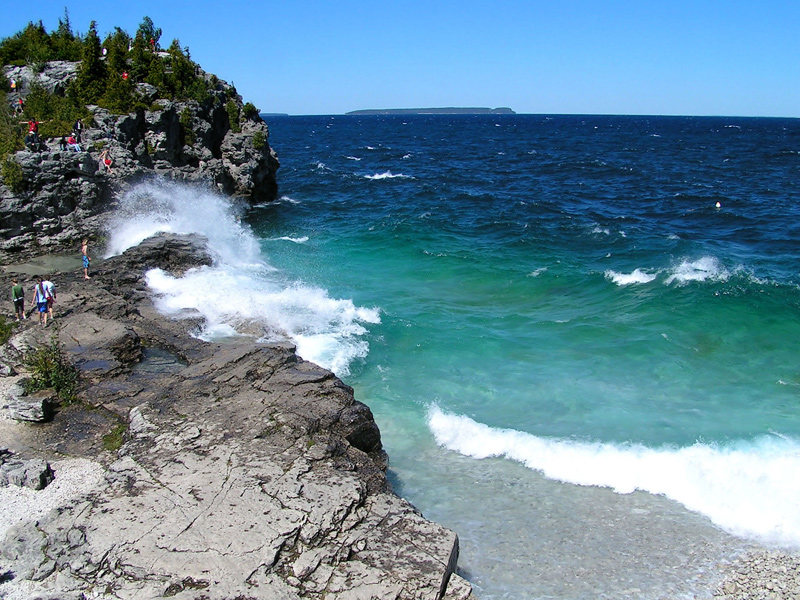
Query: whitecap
x: 703, y: 269
x: 387, y: 175
x: 637, y: 276
x: 747, y: 488
x: 296, y: 240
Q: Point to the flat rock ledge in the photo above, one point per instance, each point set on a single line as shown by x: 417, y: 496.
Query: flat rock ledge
x: 242, y: 471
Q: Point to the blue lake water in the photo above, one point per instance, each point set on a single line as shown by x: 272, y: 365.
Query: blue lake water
x: 579, y: 334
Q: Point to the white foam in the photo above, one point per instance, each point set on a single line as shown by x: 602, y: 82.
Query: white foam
x: 387, y: 175
x: 637, y: 276
x: 706, y: 268
x: 747, y: 488
x: 240, y: 291
x: 297, y: 240
x: 159, y: 205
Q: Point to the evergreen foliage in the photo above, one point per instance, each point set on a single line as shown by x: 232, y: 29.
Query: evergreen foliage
x: 5, y: 330
x: 91, y: 81
x: 233, y: 116
x: 50, y: 367
x: 109, y: 71
x: 187, y: 131
x: 259, y: 140
x: 107, y: 76
x: 11, y: 174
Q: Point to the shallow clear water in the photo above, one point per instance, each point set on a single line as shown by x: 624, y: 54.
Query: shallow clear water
x: 525, y: 301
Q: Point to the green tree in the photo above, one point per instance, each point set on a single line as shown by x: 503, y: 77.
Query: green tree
x: 119, y: 96
x: 140, y: 58
x: 64, y: 44
x: 91, y: 80
x: 149, y: 33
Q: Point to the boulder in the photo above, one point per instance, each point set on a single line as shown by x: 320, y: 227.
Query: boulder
x: 35, y: 474
x: 36, y: 407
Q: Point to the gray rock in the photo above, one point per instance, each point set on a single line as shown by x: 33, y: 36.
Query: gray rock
x: 35, y: 474
x: 66, y: 193
x: 245, y: 472
x: 37, y: 407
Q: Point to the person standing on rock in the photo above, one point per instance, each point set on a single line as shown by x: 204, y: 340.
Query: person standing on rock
x: 77, y: 128
x: 86, y: 259
x: 18, y: 297
x: 39, y: 300
x: 50, y: 294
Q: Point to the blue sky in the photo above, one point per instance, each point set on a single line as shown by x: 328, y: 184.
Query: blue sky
x: 700, y: 57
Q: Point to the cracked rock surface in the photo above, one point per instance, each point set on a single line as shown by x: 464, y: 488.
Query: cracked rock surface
x: 244, y: 472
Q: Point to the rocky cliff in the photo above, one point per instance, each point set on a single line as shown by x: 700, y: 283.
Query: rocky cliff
x: 244, y: 472
x: 64, y: 193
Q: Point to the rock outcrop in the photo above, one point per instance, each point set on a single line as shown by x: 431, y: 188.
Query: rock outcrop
x: 245, y: 472
x: 64, y: 193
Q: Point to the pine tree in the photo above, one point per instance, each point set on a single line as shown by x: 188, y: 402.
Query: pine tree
x: 91, y: 80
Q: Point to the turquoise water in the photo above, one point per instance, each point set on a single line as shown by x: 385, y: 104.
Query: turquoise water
x: 546, y: 314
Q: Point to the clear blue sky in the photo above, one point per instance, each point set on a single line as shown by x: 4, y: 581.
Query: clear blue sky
x: 686, y: 57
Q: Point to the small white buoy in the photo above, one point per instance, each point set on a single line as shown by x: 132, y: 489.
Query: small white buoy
x: 719, y: 205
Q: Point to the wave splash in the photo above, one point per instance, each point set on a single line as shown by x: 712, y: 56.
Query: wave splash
x: 241, y: 293
x: 703, y: 269
x: 747, y: 488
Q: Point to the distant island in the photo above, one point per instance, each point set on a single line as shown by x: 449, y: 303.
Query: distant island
x: 434, y: 111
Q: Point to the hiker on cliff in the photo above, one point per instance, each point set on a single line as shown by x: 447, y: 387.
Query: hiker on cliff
x: 50, y: 294
x: 18, y: 297
x: 105, y: 160
x: 86, y: 259
x: 33, y: 142
x: 77, y: 129
x: 73, y: 143
x: 62, y: 143
x: 39, y: 301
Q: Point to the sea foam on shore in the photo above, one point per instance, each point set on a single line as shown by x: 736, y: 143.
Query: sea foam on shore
x: 242, y: 290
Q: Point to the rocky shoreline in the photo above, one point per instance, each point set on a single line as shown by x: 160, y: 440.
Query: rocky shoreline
x: 243, y: 470
x: 65, y: 194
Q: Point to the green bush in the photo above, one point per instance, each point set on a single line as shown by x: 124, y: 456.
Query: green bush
x: 187, y: 130
x: 259, y: 140
x: 56, y: 113
x: 233, y: 116
x: 11, y: 173
x: 249, y: 110
x: 49, y: 367
x: 5, y: 330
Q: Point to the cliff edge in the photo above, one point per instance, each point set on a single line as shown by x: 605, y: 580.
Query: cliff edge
x: 60, y: 193
x: 241, y: 471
